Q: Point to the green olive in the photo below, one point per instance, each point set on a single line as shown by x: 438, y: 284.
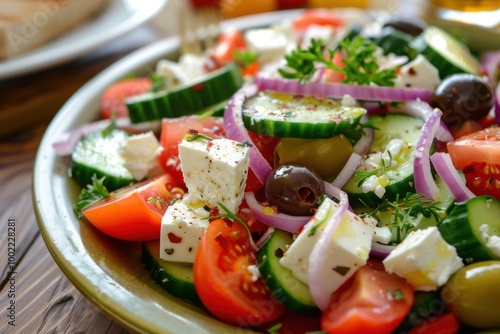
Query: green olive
x: 473, y: 294
x: 326, y: 157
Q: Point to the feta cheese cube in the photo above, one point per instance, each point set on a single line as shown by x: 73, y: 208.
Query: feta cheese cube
x: 268, y: 43
x: 215, y: 171
x: 182, y: 227
x: 424, y: 258
x: 139, y: 153
x: 348, y: 249
x: 418, y: 73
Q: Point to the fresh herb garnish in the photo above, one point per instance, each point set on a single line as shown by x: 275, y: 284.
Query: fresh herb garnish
x: 360, y: 68
x: 244, y: 58
x: 91, y: 194
x: 196, y: 136
x: 157, y: 83
x: 275, y: 329
x: 229, y: 215
x: 362, y: 175
x: 395, y: 294
x: 403, y: 210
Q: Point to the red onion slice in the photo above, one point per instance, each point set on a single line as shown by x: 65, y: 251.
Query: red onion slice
x: 380, y: 251
x: 448, y: 173
x: 338, y: 90
x: 348, y: 170
x: 265, y: 236
x: 490, y: 62
x: 65, y: 144
x: 282, y: 221
x: 424, y: 181
x: 319, y: 288
x: 235, y: 130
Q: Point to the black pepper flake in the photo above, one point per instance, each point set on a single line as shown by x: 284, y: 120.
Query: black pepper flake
x: 279, y: 253
x: 169, y: 251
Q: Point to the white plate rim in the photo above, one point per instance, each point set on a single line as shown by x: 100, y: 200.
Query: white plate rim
x: 68, y: 47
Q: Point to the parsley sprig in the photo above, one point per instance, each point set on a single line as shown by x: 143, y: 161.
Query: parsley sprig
x: 360, y: 68
x: 91, y: 194
x: 403, y: 210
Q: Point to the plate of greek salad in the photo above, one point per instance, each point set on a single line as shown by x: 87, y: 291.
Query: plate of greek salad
x: 320, y: 170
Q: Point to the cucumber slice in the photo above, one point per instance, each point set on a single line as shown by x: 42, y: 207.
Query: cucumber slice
x: 445, y: 52
x: 464, y: 228
x: 216, y: 87
x: 294, y: 294
x: 398, y: 179
x: 394, y: 41
x: 175, y: 278
x: 286, y: 115
x: 98, y: 153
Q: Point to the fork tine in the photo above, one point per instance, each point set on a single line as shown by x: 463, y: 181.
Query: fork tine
x: 199, y: 30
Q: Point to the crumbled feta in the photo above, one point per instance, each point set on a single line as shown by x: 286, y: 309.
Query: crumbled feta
x: 492, y: 242
x: 348, y: 249
x: 140, y: 153
x: 254, y: 271
x: 418, y: 73
x: 215, y: 171
x: 424, y: 258
x: 348, y: 101
x: 187, y: 69
x: 314, y: 31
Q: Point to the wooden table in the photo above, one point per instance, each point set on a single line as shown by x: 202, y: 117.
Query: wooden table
x: 45, y: 301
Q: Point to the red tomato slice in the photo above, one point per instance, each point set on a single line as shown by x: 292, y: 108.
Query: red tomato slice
x: 372, y: 301
x: 481, y: 146
x: 224, y: 282
x: 442, y: 324
x: 317, y: 17
x: 172, y: 132
x: 112, y: 99
x: 226, y: 45
x: 478, y: 156
x: 134, y: 213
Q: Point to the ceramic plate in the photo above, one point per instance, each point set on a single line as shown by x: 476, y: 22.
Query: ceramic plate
x: 107, y: 271
x: 118, y: 18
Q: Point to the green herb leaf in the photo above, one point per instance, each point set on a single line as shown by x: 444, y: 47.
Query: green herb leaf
x: 229, y: 215
x: 360, y: 68
x: 244, y: 58
x: 158, y: 83
x: 411, y: 205
x: 275, y: 329
x: 361, y: 175
x: 395, y: 294
x: 91, y: 194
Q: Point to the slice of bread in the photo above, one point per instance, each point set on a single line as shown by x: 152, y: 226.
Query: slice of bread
x: 28, y: 24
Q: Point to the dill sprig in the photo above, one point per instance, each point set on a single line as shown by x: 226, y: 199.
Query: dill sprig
x: 362, y: 175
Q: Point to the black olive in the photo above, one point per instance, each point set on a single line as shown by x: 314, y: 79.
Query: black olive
x: 294, y: 189
x: 461, y: 97
x: 411, y: 26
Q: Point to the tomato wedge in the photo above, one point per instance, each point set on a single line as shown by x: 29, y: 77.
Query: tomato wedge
x: 225, y: 280
x: 372, y: 301
x: 442, y: 324
x: 478, y: 156
x: 134, y: 213
x: 317, y: 17
x: 227, y: 44
x: 112, y: 99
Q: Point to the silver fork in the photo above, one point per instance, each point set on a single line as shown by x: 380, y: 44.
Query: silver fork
x: 198, y: 30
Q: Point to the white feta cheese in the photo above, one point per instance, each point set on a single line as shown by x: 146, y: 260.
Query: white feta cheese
x: 348, y: 249
x: 424, y: 258
x: 188, y: 69
x: 140, y: 153
x: 314, y: 31
x: 492, y: 242
x: 418, y: 73
x: 215, y: 171
x: 381, y: 234
x: 254, y: 272
x: 268, y: 43
x: 182, y: 227
x: 348, y: 101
